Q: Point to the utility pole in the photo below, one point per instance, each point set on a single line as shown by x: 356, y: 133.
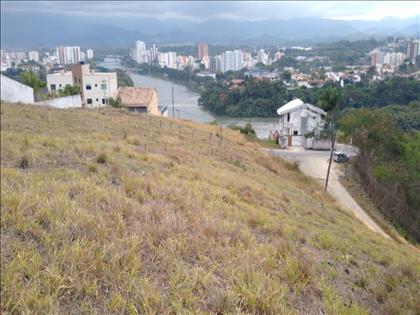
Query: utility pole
x: 173, y: 104
x: 331, y: 155
x: 177, y: 113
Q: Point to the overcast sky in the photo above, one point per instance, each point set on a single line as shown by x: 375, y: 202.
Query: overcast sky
x: 233, y: 10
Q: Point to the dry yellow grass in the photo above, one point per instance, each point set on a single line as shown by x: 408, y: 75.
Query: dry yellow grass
x: 116, y: 213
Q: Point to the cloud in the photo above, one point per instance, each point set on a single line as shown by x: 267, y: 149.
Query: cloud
x: 231, y: 10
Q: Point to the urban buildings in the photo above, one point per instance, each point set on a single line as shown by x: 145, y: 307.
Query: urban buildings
x: 394, y: 59
x: 140, y: 53
x: 168, y: 59
x: 33, y: 56
x: 68, y: 54
x: 377, y: 57
x: 203, y: 51
x: 95, y: 87
x: 262, y: 56
x: 232, y: 60
x: 89, y: 53
x: 413, y: 49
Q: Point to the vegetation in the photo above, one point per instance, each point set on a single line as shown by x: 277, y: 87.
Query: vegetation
x: 148, y: 215
x: 31, y: 79
x: 247, y: 130
x: 69, y: 90
x: 263, y: 98
x: 114, y: 102
x: 389, y: 164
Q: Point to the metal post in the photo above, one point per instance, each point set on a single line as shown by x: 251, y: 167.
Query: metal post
x: 331, y: 155
x: 173, y: 104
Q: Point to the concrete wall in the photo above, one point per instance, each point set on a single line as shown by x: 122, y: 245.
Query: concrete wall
x: 63, y: 102
x: 322, y: 144
x: 14, y: 91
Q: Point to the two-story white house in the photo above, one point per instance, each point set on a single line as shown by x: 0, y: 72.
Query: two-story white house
x: 95, y: 87
x: 298, y: 119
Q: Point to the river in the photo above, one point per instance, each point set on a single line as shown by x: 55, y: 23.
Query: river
x: 186, y: 102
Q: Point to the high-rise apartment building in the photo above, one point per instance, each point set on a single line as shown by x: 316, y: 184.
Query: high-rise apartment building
x: 33, y: 56
x: 68, y: 54
x: 203, y: 50
x: 89, y: 53
x: 377, y: 57
x: 232, y: 60
x: 153, y: 53
x: 413, y: 49
x: 140, y: 53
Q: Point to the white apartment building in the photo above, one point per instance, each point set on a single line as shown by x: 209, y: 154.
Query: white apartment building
x: 168, y: 59
x: 95, y: 87
x: 89, y: 53
x: 140, y: 53
x: 33, y: 56
x: 262, y: 56
x: 394, y: 59
x: 68, y: 54
x: 232, y: 60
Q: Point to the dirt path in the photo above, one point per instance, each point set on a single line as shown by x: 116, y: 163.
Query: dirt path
x: 315, y: 164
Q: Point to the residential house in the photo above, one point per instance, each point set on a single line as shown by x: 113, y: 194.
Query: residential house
x: 95, y: 87
x: 298, y: 119
x: 139, y: 100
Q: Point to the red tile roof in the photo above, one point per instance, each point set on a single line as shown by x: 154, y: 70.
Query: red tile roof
x: 135, y: 96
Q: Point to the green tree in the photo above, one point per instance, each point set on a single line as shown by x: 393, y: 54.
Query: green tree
x: 115, y: 102
x: 69, y: 90
x: 31, y: 79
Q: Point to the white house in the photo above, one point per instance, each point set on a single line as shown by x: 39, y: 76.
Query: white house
x: 298, y: 119
x: 14, y: 91
x: 95, y: 87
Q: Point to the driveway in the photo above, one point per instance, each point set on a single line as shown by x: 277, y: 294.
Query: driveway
x: 315, y: 164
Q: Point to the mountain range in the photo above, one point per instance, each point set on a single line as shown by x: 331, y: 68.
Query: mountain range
x: 45, y: 30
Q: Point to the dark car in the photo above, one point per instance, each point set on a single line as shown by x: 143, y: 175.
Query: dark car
x: 340, y: 157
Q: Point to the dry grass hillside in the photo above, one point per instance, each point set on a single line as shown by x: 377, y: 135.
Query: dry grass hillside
x: 116, y: 213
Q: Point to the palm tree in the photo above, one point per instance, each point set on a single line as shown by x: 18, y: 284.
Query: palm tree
x: 328, y: 100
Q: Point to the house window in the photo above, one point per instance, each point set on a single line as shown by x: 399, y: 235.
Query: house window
x: 288, y: 117
x: 89, y: 101
x: 88, y: 87
x: 295, y: 132
x: 68, y: 85
x: 103, y: 101
x: 103, y: 86
x: 97, y: 99
x: 96, y: 85
x: 59, y: 85
x: 53, y: 87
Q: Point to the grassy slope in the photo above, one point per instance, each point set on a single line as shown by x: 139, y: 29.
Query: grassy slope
x: 116, y: 213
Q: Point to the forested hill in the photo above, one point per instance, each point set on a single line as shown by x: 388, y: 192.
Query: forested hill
x: 262, y: 98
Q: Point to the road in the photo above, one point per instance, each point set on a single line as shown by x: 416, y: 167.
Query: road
x: 315, y: 164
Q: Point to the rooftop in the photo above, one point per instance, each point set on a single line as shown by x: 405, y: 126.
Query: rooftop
x: 296, y: 104
x: 135, y: 96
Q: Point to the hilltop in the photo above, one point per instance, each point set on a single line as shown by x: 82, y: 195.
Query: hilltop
x: 118, y: 213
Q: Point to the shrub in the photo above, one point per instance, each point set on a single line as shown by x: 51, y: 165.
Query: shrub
x: 102, y: 158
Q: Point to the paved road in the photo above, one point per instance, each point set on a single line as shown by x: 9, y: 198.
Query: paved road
x: 315, y: 164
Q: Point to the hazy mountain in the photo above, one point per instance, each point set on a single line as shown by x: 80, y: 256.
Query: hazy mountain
x: 24, y: 30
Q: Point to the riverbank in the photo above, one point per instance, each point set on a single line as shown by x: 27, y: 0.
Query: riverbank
x: 186, y: 102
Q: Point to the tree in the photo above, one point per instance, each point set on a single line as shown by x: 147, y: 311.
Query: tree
x: 69, y: 90
x: 328, y: 100
x: 286, y: 76
x: 115, y: 102
x: 31, y: 79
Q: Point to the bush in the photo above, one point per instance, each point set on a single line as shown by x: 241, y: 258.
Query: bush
x: 102, y: 158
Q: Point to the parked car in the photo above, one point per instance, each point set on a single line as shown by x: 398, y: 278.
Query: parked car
x: 340, y: 157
